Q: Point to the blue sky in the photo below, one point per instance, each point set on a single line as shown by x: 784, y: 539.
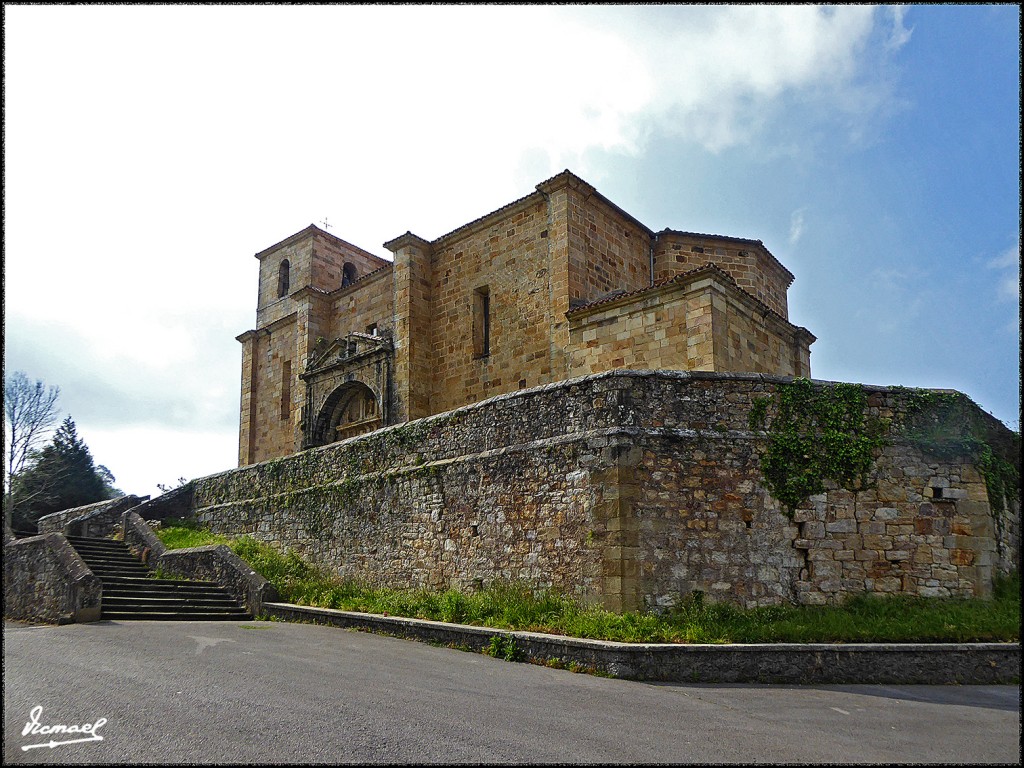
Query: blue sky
x: 149, y: 152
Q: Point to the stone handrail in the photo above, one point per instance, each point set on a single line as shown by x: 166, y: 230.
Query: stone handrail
x: 219, y: 564
x: 210, y: 563
x: 103, y: 522
x: 140, y: 538
x: 176, y: 503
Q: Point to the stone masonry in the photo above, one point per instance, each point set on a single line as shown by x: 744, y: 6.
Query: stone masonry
x: 630, y: 489
x: 557, y: 284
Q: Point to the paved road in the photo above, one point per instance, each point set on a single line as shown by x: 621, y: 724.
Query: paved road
x: 252, y: 692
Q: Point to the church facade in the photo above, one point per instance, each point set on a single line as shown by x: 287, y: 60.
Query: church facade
x: 557, y: 284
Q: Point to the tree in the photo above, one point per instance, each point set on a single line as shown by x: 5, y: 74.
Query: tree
x: 108, y: 479
x: 61, y: 475
x: 30, y: 410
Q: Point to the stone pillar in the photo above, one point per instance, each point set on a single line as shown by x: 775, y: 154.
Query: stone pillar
x: 412, y: 327
x: 556, y: 192
x: 615, y: 518
x: 247, y: 415
x: 802, y: 341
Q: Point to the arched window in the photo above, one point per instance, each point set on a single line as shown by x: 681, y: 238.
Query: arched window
x: 283, y: 279
x: 348, y: 274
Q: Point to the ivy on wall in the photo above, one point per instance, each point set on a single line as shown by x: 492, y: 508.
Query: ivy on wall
x: 818, y: 433
x: 949, y: 425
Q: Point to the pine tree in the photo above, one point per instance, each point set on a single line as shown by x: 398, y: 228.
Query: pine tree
x: 62, y: 475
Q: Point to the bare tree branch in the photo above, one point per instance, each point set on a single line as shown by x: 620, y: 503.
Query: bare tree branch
x: 30, y: 410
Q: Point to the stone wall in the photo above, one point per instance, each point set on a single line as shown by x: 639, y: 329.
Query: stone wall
x: 270, y: 365
x: 506, y: 257
x: 630, y: 489
x: 365, y: 304
x: 99, y: 520
x: 698, y: 322
x: 46, y: 580
x: 748, y: 262
x: 608, y: 250
x: 487, y: 308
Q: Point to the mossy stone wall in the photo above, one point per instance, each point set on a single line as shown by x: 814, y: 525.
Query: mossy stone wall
x: 631, y: 489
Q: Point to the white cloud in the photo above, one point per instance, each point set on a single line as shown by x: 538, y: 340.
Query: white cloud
x: 151, y: 150
x: 189, y: 454
x: 1008, y: 262
x: 796, y: 226
x: 899, y: 35
x: 714, y: 72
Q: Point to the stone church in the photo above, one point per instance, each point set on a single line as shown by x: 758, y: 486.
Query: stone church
x: 557, y: 284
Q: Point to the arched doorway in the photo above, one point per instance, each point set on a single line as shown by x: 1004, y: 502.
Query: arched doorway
x: 352, y: 409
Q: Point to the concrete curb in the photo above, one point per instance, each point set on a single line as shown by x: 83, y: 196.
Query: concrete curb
x: 792, y: 663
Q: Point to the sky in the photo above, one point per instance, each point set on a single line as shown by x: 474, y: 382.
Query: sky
x: 151, y: 151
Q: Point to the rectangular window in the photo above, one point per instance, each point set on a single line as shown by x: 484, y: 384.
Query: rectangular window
x: 481, y: 322
x: 286, y: 389
x: 371, y: 329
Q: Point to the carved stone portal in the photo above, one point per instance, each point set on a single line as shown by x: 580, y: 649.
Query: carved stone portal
x: 348, y: 389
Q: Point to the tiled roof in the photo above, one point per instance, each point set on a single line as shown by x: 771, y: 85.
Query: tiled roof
x: 682, y: 277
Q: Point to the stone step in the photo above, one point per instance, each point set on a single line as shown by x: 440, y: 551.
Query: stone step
x: 117, y: 562
x: 120, y: 570
x: 137, y: 582
x: 89, y: 542
x: 152, y: 602
x: 239, y: 615
x: 131, y: 592
x: 175, y: 593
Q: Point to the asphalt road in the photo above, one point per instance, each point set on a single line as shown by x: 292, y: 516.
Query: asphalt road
x: 254, y: 692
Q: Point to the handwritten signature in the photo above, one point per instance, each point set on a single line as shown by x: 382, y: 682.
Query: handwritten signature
x: 34, y: 727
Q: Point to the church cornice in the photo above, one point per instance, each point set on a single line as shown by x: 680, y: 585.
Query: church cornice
x: 683, y: 281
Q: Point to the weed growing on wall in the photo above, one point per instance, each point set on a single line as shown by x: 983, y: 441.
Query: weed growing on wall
x: 948, y: 425
x: 503, y: 647
x: 819, y: 433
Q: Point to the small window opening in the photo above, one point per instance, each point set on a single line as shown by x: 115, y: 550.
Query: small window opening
x: 283, y: 279
x: 481, y: 322
x: 286, y: 389
x: 371, y: 329
x: 348, y: 274
x: 936, y: 493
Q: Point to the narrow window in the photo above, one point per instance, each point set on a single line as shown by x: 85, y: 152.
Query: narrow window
x: 283, y: 279
x: 481, y: 322
x: 286, y: 389
x: 371, y: 329
x: 348, y: 274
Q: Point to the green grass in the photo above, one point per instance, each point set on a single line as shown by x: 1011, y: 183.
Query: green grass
x: 513, y: 605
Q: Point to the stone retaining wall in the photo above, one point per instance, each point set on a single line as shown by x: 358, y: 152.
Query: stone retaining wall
x: 631, y: 489
x: 46, y: 580
x: 779, y: 663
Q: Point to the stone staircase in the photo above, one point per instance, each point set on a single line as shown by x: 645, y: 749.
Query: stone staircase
x: 131, y: 592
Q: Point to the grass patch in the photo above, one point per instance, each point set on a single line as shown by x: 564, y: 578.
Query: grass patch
x: 179, y: 534
x: 514, y: 605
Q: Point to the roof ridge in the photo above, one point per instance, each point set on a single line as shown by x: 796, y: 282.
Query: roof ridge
x: 706, y: 267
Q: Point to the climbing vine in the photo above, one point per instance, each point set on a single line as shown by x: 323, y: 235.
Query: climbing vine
x: 819, y: 433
